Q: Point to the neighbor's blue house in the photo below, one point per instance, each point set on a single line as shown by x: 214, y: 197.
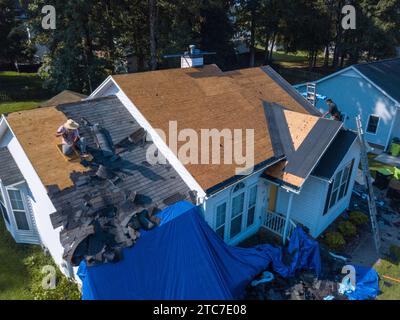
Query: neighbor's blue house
x: 370, y: 89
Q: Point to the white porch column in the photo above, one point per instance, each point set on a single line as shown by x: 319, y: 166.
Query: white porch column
x: 289, y: 209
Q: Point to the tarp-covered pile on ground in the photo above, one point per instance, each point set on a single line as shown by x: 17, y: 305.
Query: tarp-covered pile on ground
x: 184, y: 258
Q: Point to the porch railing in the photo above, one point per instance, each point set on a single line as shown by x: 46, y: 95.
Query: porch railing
x: 275, y: 222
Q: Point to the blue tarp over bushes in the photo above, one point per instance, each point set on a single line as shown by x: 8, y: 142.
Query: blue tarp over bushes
x: 184, y: 258
x: 367, y: 284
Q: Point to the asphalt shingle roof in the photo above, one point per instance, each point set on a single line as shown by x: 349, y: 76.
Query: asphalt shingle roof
x: 335, y: 154
x: 385, y: 74
x: 9, y: 172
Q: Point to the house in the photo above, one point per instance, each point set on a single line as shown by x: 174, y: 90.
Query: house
x: 303, y: 166
x: 65, y: 96
x: 369, y: 89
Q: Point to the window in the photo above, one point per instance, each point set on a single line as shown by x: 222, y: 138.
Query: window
x: 339, y: 187
x: 252, y: 206
x: 3, y: 209
x: 372, y: 125
x: 221, y: 219
x: 18, y: 208
x: 237, y: 214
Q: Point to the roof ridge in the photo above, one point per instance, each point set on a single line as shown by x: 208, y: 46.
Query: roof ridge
x: 375, y: 62
x: 275, y: 76
x: 87, y: 101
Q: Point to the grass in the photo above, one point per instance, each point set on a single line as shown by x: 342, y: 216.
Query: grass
x: 14, y: 276
x: 390, y: 289
x: 8, y: 107
x: 20, y: 91
x: 20, y: 272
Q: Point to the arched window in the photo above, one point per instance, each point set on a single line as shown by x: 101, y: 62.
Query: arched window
x: 239, y: 186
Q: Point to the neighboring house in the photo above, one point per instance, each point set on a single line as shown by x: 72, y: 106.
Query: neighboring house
x: 304, y: 167
x: 65, y: 96
x: 369, y: 89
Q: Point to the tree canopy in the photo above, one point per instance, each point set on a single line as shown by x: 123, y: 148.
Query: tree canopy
x: 93, y: 38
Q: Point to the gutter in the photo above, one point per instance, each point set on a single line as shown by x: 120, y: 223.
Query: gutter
x: 212, y: 194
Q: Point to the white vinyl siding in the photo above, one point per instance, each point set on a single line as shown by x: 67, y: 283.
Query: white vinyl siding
x: 243, y: 205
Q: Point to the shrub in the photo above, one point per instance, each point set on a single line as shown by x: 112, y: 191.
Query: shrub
x: 394, y: 253
x: 334, y: 240
x: 347, y: 229
x: 64, y: 289
x: 358, y: 218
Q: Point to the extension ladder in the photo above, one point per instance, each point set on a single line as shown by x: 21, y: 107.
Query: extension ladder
x: 312, y: 93
x: 368, y: 184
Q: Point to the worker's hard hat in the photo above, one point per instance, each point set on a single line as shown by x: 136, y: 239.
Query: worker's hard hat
x: 71, y: 125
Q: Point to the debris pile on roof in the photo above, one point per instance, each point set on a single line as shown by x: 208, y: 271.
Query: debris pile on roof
x: 107, y: 220
x: 115, y: 197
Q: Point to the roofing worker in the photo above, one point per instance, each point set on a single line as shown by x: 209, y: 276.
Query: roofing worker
x: 71, y: 138
x: 333, y: 111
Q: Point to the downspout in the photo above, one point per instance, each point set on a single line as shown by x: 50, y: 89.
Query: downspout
x: 287, y: 221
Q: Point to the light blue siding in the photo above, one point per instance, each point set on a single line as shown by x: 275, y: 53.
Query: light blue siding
x: 225, y: 196
x: 355, y: 95
x: 309, y: 204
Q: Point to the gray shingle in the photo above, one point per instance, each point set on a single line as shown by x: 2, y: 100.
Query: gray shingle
x: 385, y: 74
x: 153, y: 184
x: 9, y: 172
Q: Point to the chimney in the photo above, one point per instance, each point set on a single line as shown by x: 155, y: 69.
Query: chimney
x: 192, y: 58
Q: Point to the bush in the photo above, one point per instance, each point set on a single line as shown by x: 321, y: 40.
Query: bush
x: 394, y: 253
x: 334, y: 240
x: 358, y: 218
x: 64, y: 288
x: 347, y: 229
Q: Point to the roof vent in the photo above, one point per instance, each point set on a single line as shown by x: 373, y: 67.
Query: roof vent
x: 192, y: 58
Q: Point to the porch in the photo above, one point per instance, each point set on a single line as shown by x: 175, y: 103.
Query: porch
x: 279, y: 225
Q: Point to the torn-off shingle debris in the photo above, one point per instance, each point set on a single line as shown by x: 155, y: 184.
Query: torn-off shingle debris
x: 109, y: 204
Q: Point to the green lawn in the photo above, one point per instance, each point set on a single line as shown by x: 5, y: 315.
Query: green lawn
x: 14, y: 276
x: 390, y: 289
x: 8, y: 107
x: 20, y: 91
x: 20, y: 272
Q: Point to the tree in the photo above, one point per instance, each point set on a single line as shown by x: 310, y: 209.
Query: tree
x: 14, y: 40
x: 248, y: 15
x: 77, y: 59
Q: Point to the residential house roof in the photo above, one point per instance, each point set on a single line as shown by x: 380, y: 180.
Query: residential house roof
x: 9, y: 171
x: 385, y: 74
x: 35, y: 130
x: 96, y: 200
x: 302, y: 138
x: 207, y: 98
x: 335, y: 154
x: 65, y: 96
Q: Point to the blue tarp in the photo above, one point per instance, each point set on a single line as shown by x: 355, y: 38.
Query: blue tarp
x: 367, y: 284
x: 184, y: 258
